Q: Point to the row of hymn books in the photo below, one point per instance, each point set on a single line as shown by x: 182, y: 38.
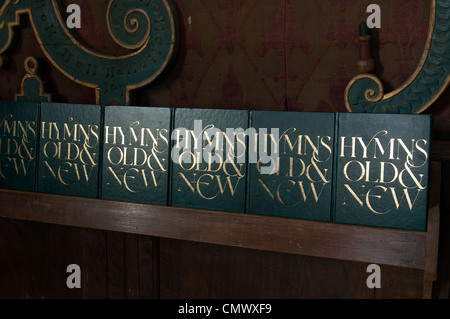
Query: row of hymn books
x: 361, y: 169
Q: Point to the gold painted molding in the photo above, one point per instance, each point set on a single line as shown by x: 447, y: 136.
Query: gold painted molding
x: 148, y: 28
x: 365, y: 92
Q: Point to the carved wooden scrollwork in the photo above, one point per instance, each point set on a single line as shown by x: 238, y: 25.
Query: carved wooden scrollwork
x: 147, y: 27
x: 33, y: 85
x: 365, y: 92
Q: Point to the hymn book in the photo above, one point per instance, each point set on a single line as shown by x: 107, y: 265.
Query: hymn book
x: 18, y: 143
x: 299, y: 182
x: 382, y: 168
x: 69, y: 149
x: 209, y: 165
x: 136, y: 147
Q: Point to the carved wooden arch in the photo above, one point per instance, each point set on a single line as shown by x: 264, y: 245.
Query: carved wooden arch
x: 365, y: 92
x: 147, y: 27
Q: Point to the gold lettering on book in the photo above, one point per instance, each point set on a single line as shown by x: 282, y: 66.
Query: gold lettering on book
x: 383, y: 173
x: 136, y: 156
x: 303, y: 167
x: 16, y: 147
x: 69, y: 151
x: 214, y: 165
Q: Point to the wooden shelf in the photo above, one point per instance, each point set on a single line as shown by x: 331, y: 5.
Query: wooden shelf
x: 401, y: 248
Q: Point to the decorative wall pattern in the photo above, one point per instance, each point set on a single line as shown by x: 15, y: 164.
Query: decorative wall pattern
x: 256, y: 54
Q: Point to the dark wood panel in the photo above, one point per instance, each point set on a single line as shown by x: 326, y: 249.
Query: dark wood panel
x: 148, y: 267
x: 400, y: 283
x: 131, y: 264
x: 317, y: 239
x: 262, y: 257
x: 61, y: 247
x: 34, y: 259
x: 194, y: 270
x: 188, y: 269
x: 440, y: 150
x: 115, y: 251
x: 12, y: 259
x: 94, y: 265
x: 35, y: 276
x: 442, y: 285
x: 432, y: 239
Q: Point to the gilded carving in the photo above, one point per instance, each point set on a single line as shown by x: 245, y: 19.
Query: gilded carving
x: 33, y: 85
x: 148, y: 28
x: 365, y: 92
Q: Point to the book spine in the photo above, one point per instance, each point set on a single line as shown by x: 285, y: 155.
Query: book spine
x: 247, y: 159
x: 101, y: 153
x: 335, y: 167
x: 38, y: 147
x: 170, y: 165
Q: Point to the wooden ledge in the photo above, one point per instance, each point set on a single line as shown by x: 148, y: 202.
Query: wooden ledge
x: 319, y: 239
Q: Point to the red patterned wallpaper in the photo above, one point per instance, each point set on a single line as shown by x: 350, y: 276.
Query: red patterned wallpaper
x: 257, y: 54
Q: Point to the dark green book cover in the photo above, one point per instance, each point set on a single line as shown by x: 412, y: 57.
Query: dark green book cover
x: 209, y: 159
x: 136, y: 148
x: 18, y: 142
x: 69, y: 149
x: 382, y: 167
x: 298, y: 146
